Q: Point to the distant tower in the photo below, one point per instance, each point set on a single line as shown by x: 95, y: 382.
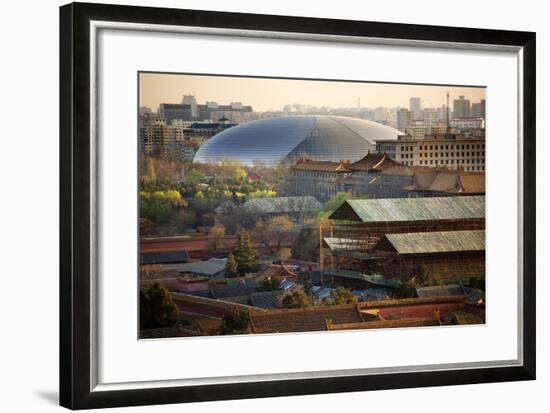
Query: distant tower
x: 448, y: 131
x: 358, y: 105
x: 192, y: 102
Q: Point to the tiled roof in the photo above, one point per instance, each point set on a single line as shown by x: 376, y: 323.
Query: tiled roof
x: 434, y: 242
x: 464, y: 318
x: 373, y: 162
x: 451, y: 181
x: 440, y: 291
x: 444, y: 181
x: 274, y: 270
x: 321, y: 166
x: 399, y: 323
x: 371, y: 294
x: 207, y: 268
x: 411, y: 209
x: 398, y: 170
x: 472, y: 182
x: 239, y: 289
x: 166, y: 257
x: 267, y: 299
x: 283, y: 205
x: 303, y: 319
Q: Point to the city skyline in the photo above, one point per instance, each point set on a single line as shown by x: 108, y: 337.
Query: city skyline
x: 269, y: 94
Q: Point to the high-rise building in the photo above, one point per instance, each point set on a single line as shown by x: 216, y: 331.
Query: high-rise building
x: 478, y: 109
x: 461, y: 107
x: 415, y: 106
x: 442, y: 113
x: 404, y: 119
x: 381, y: 114
x: 192, y: 102
x: 154, y: 138
x: 431, y: 119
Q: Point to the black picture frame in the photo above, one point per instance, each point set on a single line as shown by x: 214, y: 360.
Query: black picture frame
x: 75, y: 220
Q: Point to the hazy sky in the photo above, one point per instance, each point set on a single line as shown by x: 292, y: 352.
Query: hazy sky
x: 273, y: 94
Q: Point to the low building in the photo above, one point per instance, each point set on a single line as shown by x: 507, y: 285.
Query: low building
x: 434, y: 182
x: 276, y: 271
x: 303, y: 319
x: 449, y: 255
x: 163, y: 257
x: 211, y: 268
x: 316, y: 178
x: 348, y: 256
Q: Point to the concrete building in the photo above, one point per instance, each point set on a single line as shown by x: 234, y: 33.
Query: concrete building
x: 431, y: 119
x: 462, y: 124
x: 478, y: 109
x: 404, y: 119
x: 154, y: 138
x: 415, y: 106
x: 189, y: 110
x: 461, y: 108
x: 450, y: 151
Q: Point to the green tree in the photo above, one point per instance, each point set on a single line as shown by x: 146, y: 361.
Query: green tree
x: 244, y: 253
x: 239, y: 174
x: 231, y: 266
x: 408, y: 287
x: 296, y: 299
x: 195, y: 177
x: 341, y: 295
x: 306, y: 245
x: 235, y: 322
x: 272, y: 230
x: 424, y: 276
x: 216, y: 234
x: 269, y: 284
x: 333, y: 204
x: 478, y: 283
x: 156, y: 308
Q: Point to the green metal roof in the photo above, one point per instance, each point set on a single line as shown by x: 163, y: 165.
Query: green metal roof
x: 434, y: 242
x: 411, y: 209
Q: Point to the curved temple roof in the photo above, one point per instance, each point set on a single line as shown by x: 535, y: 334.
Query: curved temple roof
x: 288, y: 138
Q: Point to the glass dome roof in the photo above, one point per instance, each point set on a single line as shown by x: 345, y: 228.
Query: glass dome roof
x: 287, y: 138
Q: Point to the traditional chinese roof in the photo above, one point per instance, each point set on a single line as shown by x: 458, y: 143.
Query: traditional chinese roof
x: 399, y: 323
x: 303, y: 319
x: 440, y: 291
x: 273, y: 270
x: 450, y: 181
x: 321, y: 166
x: 283, y: 205
x: 434, y: 242
x: 208, y: 268
x: 238, y: 289
x: 164, y: 257
x: 267, y: 299
x: 398, y: 170
x: 373, y: 162
x: 411, y: 209
x: 472, y: 182
x: 464, y: 318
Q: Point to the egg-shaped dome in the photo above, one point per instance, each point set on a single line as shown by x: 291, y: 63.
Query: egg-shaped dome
x: 288, y: 138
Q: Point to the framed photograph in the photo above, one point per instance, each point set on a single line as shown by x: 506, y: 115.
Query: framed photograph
x: 257, y: 206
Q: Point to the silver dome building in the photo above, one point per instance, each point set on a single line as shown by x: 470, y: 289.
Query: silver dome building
x: 288, y: 138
